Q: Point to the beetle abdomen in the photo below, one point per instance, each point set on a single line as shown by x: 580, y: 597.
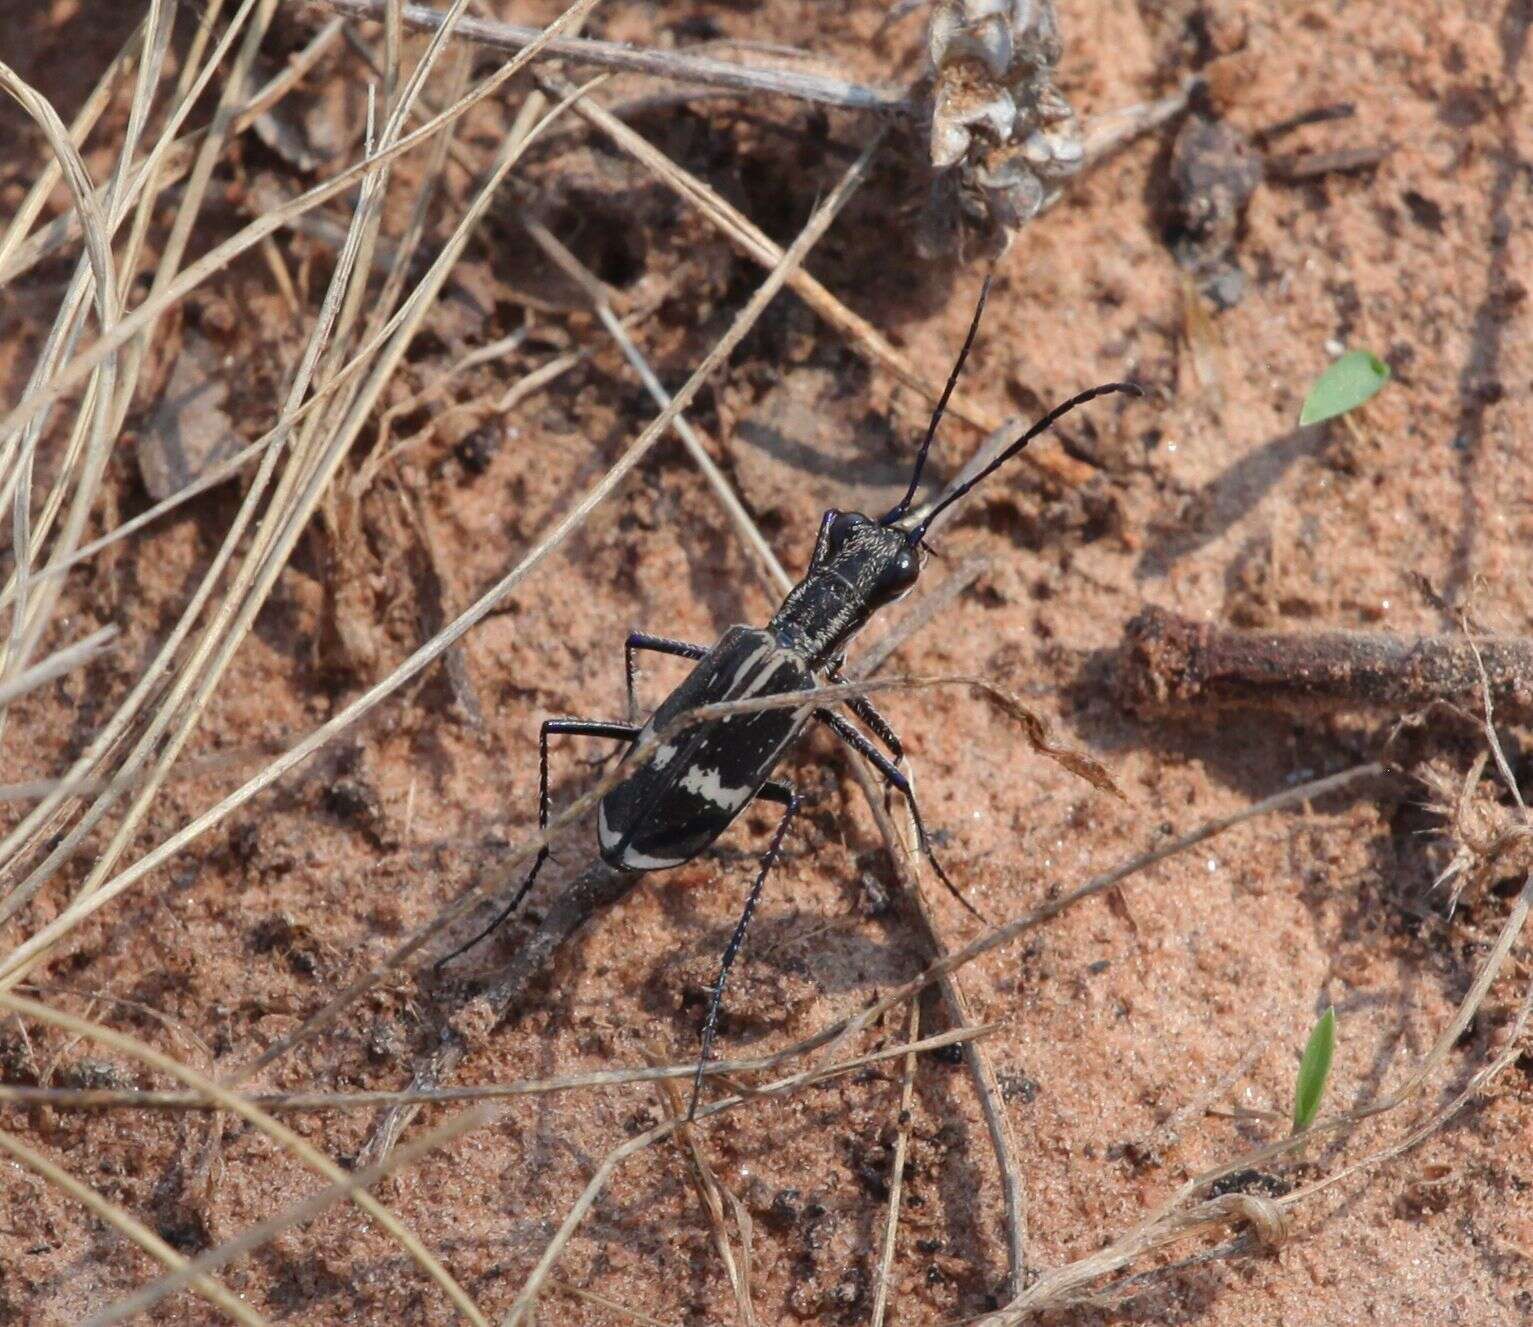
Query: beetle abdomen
x: 692, y: 787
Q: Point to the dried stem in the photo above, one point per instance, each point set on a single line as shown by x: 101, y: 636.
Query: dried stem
x: 897, y: 1172
x: 672, y: 65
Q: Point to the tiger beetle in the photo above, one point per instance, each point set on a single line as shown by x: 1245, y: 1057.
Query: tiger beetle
x: 691, y: 788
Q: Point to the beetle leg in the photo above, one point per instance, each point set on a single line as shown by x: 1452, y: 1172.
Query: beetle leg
x: 775, y: 792
x: 864, y: 709
x: 642, y: 640
x: 617, y: 732
x: 896, y: 779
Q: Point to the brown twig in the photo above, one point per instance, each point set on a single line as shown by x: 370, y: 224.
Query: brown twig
x: 1170, y: 662
x: 1297, y: 167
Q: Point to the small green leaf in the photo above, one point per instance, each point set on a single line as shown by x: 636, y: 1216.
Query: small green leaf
x: 1344, y: 386
x: 1314, y: 1069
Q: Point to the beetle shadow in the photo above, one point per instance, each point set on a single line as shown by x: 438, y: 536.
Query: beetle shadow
x: 1249, y: 751
x: 1227, y: 499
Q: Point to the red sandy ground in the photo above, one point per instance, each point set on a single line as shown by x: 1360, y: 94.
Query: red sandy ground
x: 1207, y: 499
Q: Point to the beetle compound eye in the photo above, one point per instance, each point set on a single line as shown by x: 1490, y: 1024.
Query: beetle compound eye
x: 900, y: 575
x: 842, y: 527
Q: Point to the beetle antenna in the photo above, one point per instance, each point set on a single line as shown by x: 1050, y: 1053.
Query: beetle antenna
x: 931, y: 429
x: 1050, y: 419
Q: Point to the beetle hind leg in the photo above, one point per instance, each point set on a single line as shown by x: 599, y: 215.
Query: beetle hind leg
x: 792, y: 802
x: 616, y: 732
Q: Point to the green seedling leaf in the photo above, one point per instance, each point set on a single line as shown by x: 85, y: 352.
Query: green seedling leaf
x: 1314, y: 1069
x: 1344, y: 386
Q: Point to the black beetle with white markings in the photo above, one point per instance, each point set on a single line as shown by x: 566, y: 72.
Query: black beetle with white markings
x: 692, y: 787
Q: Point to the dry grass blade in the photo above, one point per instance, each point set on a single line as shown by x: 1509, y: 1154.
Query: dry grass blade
x: 896, y: 1173
x: 110, y: 1214
x: 59, y: 663
x: 117, y: 196
x: 79, y: 476
x: 30, y: 616
x: 125, y: 1099
x: 321, y: 396
x: 252, y: 1237
x: 150, y: 680
x: 171, y: 710
x: 279, y: 1133
x: 285, y: 522
x: 221, y: 255
x: 85, y: 119
x: 172, y: 157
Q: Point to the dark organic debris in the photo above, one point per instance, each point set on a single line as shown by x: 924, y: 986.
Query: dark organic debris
x: 1214, y: 171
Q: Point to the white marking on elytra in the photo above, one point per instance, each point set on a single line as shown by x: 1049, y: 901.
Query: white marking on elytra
x: 604, y: 835
x: 664, y: 755
x: 635, y: 860
x: 705, y: 783
x: 744, y: 670
x: 630, y: 856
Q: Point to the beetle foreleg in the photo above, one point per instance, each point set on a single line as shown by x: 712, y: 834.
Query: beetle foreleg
x: 896, y: 779
x: 865, y: 710
x: 776, y: 792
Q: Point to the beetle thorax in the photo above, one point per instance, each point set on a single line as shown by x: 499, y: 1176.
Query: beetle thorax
x: 859, y: 567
